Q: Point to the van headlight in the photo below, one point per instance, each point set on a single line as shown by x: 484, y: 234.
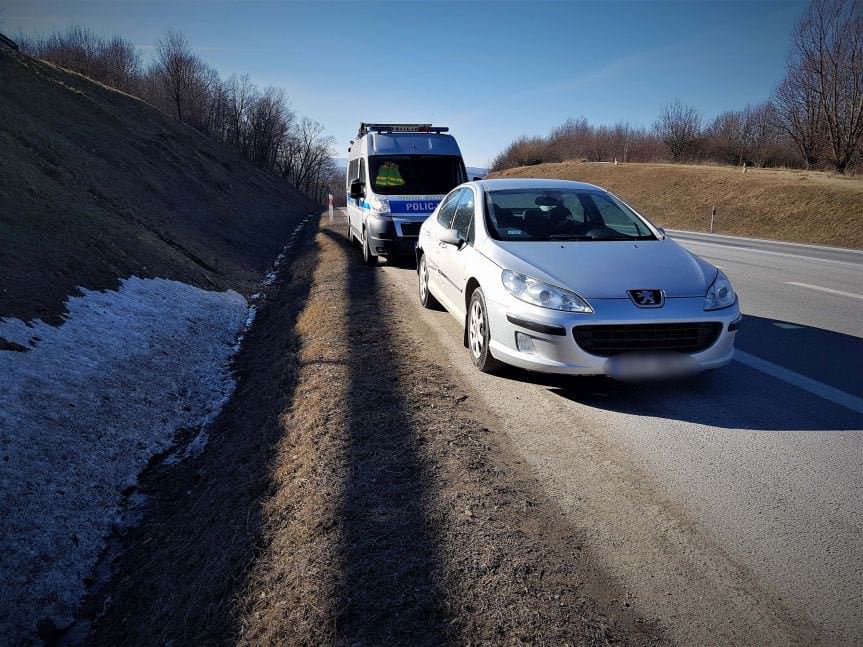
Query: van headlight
x: 720, y: 294
x: 542, y: 294
x: 379, y: 205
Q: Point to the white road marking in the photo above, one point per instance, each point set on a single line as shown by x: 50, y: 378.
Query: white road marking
x: 733, y: 239
x: 801, y: 381
x: 822, y: 289
x: 786, y: 326
x: 686, y: 241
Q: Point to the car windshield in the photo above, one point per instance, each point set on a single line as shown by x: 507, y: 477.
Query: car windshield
x: 415, y: 174
x: 560, y: 215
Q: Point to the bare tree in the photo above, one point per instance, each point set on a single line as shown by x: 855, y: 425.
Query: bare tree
x: 259, y: 125
x: 797, y: 111
x: 827, y: 63
x: 679, y: 128
x: 622, y: 137
x: 525, y: 151
x: 114, y: 62
x: 176, y: 62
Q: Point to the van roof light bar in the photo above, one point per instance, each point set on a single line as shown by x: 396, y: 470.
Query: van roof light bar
x: 400, y: 128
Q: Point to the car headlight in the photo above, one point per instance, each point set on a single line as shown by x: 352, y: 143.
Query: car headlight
x: 379, y: 205
x: 542, y: 294
x: 720, y: 294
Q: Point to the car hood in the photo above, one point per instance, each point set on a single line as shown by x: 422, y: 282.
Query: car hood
x: 606, y: 270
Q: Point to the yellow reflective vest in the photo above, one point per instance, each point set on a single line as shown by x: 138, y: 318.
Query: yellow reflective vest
x: 388, y: 175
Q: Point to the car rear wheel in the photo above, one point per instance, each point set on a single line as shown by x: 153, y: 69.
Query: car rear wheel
x: 478, y: 334
x: 426, y: 297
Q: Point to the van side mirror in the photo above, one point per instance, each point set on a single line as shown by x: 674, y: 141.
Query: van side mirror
x: 451, y: 237
x: 357, y: 189
x: 476, y: 178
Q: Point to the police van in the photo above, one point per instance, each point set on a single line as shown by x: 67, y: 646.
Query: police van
x: 397, y: 174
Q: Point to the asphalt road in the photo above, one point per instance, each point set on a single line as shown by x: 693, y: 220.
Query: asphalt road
x: 730, y: 507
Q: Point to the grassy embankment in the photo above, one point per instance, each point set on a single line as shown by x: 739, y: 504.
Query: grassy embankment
x: 798, y: 206
x: 97, y: 186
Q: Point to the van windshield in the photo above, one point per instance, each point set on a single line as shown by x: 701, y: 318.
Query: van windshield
x: 415, y: 174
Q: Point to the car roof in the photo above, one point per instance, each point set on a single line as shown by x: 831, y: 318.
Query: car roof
x: 534, y: 183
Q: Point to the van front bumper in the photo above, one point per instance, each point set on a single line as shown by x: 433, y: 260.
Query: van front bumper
x: 384, y: 238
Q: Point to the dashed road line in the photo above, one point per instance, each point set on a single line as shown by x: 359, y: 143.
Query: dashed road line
x: 754, y: 250
x: 823, y: 289
x: 801, y: 381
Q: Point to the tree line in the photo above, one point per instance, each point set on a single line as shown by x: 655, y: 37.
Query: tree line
x: 813, y: 120
x: 257, y: 123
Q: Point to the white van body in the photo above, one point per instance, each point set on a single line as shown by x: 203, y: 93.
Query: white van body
x: 401, y: 173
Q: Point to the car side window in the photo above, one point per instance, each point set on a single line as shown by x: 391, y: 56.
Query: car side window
x: 363, y: 171
x: 447, y: 210
x: 463, y: 218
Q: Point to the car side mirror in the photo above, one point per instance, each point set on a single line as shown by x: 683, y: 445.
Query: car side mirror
x: 451, y: 237
x: 661, y: 230
x: 357, y: 189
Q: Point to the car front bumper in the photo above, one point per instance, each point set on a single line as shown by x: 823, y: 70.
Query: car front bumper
x: 555, y: 350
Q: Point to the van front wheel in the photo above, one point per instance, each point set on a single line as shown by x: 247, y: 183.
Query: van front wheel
x: 368, y: 257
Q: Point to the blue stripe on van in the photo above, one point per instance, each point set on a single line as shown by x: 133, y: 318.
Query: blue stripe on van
x: 413, y: 206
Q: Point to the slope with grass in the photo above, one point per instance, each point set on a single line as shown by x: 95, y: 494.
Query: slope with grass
x: 96, y: 185
x: 798, y: 206
x: 129, y: 245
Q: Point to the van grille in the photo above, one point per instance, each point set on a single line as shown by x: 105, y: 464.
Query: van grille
x: 411, y: 228
x: 615, y: 339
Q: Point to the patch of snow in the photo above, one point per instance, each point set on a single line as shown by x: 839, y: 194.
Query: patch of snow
x: 83, y: 412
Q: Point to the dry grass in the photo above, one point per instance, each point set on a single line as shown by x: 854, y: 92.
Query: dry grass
x: 397, y: 516
x: 352, y: 495
x: 800, y: 206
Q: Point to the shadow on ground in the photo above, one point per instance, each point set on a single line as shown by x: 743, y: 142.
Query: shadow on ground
x: 737, y: 396
x: 390, y: 591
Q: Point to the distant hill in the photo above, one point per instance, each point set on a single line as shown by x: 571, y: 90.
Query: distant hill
x: 96, y: 186
x: 801, y: 206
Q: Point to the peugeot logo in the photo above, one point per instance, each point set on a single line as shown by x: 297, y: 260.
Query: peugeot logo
x: 647, y: 298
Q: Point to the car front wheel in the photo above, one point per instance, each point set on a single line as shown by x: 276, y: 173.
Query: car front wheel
x: 478, y: 334
x: 426, y: 297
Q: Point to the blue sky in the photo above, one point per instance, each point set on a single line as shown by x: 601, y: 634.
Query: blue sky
x: 491, y: 71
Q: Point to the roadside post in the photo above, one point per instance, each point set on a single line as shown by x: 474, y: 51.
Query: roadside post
x: 331, y: 207
x: 712, y: 218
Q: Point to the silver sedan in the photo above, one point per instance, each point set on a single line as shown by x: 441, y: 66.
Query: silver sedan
x: 564, y: 277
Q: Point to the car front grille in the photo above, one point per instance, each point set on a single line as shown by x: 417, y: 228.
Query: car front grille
x: 615, y: 339
x: 411, y: 228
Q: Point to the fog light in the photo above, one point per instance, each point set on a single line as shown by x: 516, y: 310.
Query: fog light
x: 524, y: 342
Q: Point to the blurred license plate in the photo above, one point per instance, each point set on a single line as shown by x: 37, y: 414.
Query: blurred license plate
x: 650, y: 366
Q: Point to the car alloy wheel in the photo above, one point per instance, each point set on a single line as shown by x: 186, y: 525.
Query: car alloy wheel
x: 479, y: 335
x: 426, y: 297
x: 476, y: 330
x: 424, y: 280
